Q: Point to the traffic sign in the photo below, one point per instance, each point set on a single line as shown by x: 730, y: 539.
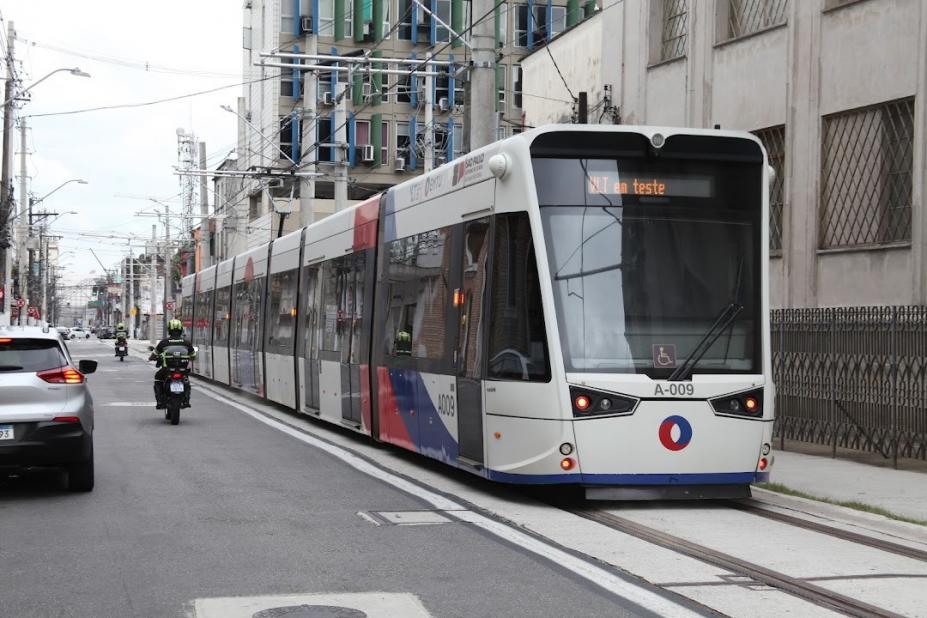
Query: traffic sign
x: 20, y: 302
x: 133, y: 311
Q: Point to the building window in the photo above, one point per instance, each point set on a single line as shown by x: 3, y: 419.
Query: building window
x: 502, y: 24
x: 866, y: 175
x: 287, y: 147
x: 286, y: 16
x: 326, y: 17
x: 286, y: 83
x: 405, y: 19
x: 675, y: 29
x: 402, y: 141
x: 516, y: 85
x: 404, y: 89
x: 520, y: 33
x: 557, y: 22
x: 749, y: 16
x: 773, y: 140
x: 500, y: 85
x: 442, y: 35
x: 326, y: 152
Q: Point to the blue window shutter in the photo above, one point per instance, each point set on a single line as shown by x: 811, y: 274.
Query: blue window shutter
x: 450, y: 139
x: 414, y: 20
x: 352, y: 138
x: 334, y: 76
x: 433, y: 31
x: 294, y: 136
x: 331, y: 137
x: 549, y: 27
x: 451, y: 94
x: 297, y: 76
x: 413, y: 85
x: 413, y: 159
x: 296, y: 18
x: 315, y: 16
x: 530, y: 24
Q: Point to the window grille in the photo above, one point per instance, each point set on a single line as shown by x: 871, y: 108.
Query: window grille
x: 749, y: 16
x: 866, y: 165
x: 675, y: 29
x: 773, y: 140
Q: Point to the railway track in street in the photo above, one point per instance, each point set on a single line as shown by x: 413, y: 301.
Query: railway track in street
x: 795, y: 586
x: 754, y: 508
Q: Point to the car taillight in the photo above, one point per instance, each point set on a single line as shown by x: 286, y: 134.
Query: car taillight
x: 177, y: 376
x: 62, y: 375
x: 66, y: 419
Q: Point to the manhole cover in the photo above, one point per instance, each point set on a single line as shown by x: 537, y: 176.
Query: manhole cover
x: 310, y: 611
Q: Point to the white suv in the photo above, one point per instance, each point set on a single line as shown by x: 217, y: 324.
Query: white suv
x: 46, y: 411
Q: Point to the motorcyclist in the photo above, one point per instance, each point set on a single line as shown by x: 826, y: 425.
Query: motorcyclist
x: 122, y: 333
x: 175, y: 338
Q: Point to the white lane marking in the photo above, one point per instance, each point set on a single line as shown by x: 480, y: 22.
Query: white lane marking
x: 373, y: 604
x: 130, y: 404
x: 364, y: 515
x: 414, y: 518
x: 609, y: 581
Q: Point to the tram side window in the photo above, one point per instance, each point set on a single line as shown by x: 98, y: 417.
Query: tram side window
x: 517, y: 341
x: 417, y: 274
x: 202, y: 325
x: 220, y: 323
x: 312, y: 311
x: 248, y: 297
x: 333, y: 300
x: 282, y: 316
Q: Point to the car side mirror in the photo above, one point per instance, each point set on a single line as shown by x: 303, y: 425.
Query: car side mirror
x: 87, y: 366
x: 151, y: 348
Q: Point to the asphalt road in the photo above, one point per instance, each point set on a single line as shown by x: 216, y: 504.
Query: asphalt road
x: 225, y: 506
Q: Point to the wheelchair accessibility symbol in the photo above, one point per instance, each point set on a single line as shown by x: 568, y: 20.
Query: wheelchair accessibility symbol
x: 664, y: 355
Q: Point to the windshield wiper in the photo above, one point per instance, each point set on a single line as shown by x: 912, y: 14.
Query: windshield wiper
x: 727, y: 316
x: 594, y: 271
x: 10, y: 367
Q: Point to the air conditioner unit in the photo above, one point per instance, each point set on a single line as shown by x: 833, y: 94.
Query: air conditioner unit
x: 366, y: 152
x: 305, y: 24
x: 443, y: 104
x: 399, y: 165
x: 327, y: 98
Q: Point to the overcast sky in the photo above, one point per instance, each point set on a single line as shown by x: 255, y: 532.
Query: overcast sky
x: 189, y: 46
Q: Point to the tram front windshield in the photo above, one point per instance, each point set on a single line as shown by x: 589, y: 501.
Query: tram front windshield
x: 648, y: 257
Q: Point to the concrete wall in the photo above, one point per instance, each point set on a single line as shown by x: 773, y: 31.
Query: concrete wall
x: 819, y: 62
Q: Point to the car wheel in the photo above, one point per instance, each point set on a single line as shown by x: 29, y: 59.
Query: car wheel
x: 80, y: 475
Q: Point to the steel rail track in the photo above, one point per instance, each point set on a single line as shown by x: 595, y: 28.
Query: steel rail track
x: 854, y: 537
x: 791, y: 585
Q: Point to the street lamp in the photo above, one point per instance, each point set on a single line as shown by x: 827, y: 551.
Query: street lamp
x: 75, y: 71
x: 79, y: 181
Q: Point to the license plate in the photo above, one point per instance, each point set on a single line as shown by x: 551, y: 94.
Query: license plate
x: 6, y: 432
x: 176, y: 387
x: 122, y: 349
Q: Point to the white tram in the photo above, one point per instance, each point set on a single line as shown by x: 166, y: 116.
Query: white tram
x: 575, y: 304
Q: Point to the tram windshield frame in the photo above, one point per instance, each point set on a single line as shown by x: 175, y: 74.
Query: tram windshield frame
x: 640, y: 278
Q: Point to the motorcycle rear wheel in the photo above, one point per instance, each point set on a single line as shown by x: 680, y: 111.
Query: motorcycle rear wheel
x: 173, y: 412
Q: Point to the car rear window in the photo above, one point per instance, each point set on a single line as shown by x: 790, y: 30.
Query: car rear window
x: 30, y: 355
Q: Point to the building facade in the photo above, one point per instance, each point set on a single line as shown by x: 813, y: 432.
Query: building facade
x: 385, y: 128
x: 835, y: 89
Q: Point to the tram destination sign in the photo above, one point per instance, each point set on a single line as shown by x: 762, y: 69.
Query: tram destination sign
x: 643, y: 184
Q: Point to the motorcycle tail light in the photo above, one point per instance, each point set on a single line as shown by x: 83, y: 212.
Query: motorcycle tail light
x: 177, y: 376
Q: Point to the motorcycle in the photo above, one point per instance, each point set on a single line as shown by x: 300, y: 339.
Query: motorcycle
x: 122, y: 349
x: 175, y: 381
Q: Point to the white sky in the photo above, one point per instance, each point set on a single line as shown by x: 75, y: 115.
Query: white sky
x: 125, y: 151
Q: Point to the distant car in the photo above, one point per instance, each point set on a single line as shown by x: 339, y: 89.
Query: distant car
x: 106, y: 332
x: 46, y: 411
x: 79, y: 333
x: 64, y: 331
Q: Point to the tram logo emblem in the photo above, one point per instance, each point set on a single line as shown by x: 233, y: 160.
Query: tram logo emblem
x: 664, y: 355
x: 683, y: 437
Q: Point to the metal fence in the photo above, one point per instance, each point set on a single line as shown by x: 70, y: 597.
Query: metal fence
x: 853, y: 377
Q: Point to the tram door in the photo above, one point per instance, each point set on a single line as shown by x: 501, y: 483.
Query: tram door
x: 351, y: 308
x: 311, y: 338
x: 469, y: 299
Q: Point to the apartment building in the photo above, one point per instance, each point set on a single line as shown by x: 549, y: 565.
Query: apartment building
x: 385, y: 128
x: 835, y: 89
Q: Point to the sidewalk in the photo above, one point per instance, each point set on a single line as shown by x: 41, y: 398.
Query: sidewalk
x: 901, y: 492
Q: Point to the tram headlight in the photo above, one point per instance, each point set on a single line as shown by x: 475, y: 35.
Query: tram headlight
x: 587, y: 402
x: 748, y: 403
x: 566, y: 448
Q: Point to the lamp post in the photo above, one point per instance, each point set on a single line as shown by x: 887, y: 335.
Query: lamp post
x: 75, y: 71
x: 43, y: 259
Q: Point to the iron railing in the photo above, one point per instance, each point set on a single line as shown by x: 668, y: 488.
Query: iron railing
x: 748, y: 16
x: 675, y: 29
x: 852, y: 377
x: 867, y: 159
x: 773, y: 140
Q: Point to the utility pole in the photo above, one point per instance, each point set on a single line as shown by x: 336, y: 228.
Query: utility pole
x: 341, y: 139
x: 153, y: 262
x: 25, y: 225
x: 205, y: 234
x: 6, y: 202
x: 131, y: 303
x: 481, y: 117
x: 309, y: 123
x: 167, y: 261
x: 429, y: 116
